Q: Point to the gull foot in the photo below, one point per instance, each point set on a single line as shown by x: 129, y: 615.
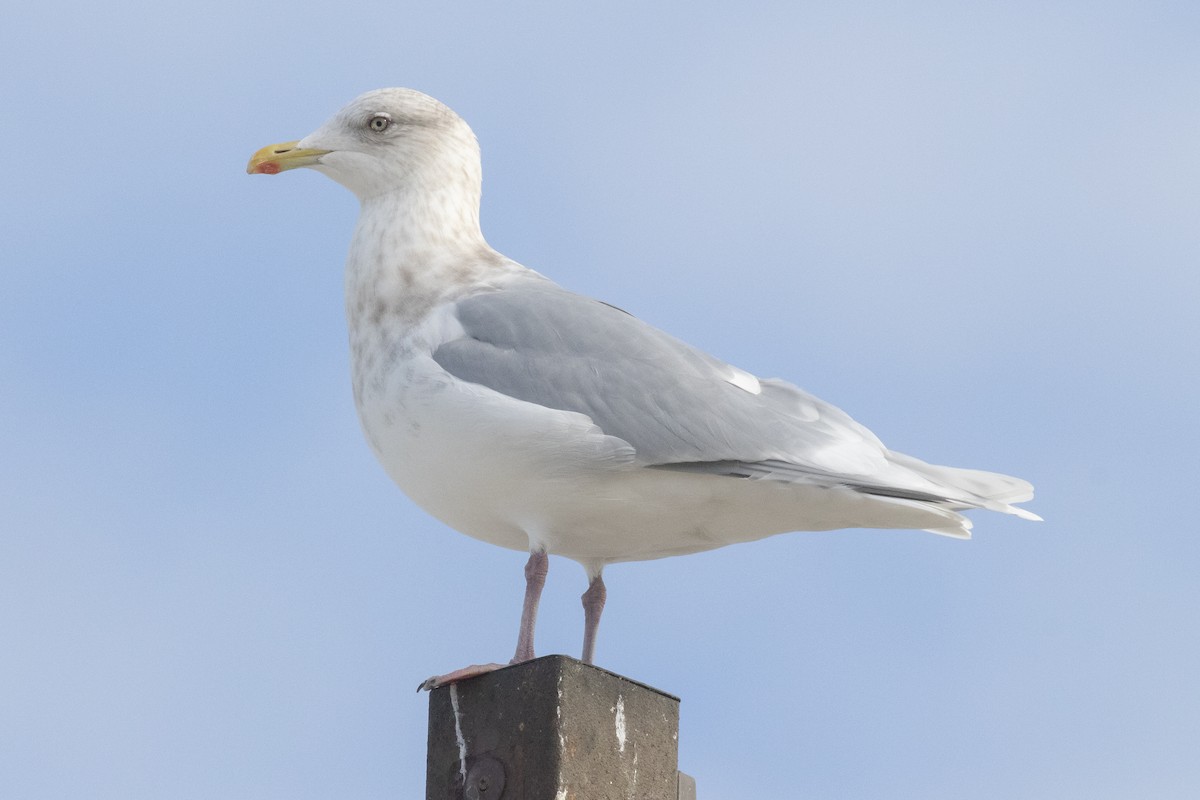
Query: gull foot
x: 473, y: 671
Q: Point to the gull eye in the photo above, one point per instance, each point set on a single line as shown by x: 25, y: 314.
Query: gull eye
x: 379, y: 123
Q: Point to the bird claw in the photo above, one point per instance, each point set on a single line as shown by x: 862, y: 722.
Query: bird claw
x: 473, y: 671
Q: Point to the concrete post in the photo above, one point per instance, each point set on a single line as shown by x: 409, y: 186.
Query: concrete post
x: 554, y: 728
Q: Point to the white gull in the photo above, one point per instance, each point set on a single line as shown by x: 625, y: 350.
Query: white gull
x: 540, y: 420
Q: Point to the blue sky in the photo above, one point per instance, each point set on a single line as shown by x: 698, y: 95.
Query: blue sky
x: 972, y: 226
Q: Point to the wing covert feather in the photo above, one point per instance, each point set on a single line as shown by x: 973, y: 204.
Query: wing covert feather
x: 673, y: 403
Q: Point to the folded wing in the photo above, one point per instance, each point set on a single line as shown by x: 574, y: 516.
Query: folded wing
x: 682, y: 409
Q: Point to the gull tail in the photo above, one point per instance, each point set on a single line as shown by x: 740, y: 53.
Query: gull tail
x: 972, y: 488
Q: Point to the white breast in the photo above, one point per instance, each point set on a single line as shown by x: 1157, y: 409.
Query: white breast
x: 486, y: 464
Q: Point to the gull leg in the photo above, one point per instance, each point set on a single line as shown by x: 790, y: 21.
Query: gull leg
x: 535, y: 578
x: 473, y: 671
x: 593, y: 604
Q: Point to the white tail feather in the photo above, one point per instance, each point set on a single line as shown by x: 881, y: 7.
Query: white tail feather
x: 972, y: 487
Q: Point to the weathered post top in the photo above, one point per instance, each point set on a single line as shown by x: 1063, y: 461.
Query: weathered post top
x: 553, y: 728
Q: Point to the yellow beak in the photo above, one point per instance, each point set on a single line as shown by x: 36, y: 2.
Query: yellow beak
x: 276, y: 158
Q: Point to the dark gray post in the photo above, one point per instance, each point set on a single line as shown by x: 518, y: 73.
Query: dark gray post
x: 553, y: 729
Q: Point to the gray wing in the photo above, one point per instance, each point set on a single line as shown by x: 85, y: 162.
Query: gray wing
x: 677, y: 406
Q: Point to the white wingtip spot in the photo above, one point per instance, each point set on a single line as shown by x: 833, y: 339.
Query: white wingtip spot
x: 1023, y: 514
x: 743, y: 380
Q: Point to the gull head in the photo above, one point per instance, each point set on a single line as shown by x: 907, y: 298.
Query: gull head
x: 385, y: 141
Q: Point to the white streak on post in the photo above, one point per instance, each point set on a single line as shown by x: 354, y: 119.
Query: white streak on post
x: 458, y: 734
x: 562, y: 739
x: 620, y: 709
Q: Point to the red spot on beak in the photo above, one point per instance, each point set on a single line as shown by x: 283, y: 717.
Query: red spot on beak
x: 268, y: 168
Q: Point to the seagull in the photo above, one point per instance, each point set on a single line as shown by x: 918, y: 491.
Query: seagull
x: 533, y: 418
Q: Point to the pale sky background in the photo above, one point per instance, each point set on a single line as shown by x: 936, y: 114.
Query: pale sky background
x: 975, y: 227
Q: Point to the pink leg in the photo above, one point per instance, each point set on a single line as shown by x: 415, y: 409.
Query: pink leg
x: 535, y: 578
x: 473, y: 671
x: 593, y: 604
